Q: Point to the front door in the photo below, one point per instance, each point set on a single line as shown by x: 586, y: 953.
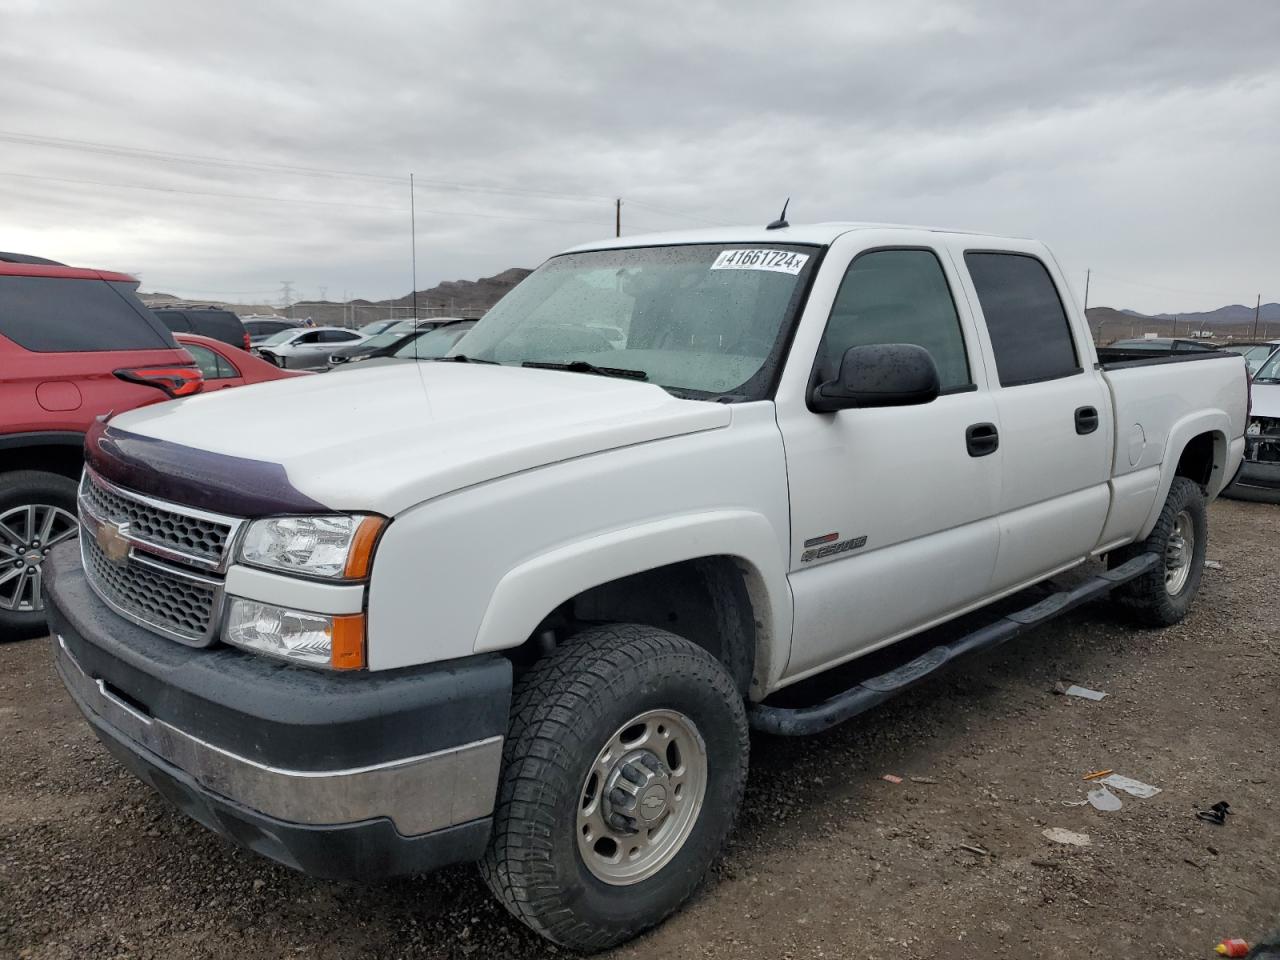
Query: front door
x: 893, y: 509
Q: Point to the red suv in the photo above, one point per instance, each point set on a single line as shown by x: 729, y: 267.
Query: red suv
x: 74, y: 345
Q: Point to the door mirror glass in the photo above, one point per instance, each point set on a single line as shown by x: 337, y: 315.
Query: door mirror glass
x: 882, y: 375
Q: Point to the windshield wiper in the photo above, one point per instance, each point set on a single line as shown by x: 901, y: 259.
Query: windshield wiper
x: 459, y: 358
x: 582, y: 366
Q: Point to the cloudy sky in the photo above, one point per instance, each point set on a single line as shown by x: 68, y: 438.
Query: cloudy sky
x: 219, y: 148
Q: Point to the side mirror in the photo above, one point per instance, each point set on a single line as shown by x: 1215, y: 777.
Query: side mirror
x: 883, y: 375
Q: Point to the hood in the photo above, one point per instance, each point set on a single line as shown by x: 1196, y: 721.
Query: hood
x: 1266, y: 400
x: 381, y: 439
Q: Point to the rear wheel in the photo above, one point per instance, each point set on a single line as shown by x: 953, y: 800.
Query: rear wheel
x: 1162, y: 596
x: 37, y: 512
x: 623, y: 773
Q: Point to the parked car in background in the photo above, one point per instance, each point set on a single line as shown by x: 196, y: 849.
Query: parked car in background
x: 533, y: 595
x: 260, y: 328
x: 1255, y: 352
x: 374, y: 342
x: 1165, y: 345
x: 306, y: 348
x: 212, y: 322
x: 423, y: 344
x: 382, y: 326
x: 225, y: 366
x: 1259, y: 476
x: 75, y: 344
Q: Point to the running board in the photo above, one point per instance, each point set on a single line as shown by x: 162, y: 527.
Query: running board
x: 872, y: 692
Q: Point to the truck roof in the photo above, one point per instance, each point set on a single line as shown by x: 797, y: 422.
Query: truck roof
x: 813, y: 233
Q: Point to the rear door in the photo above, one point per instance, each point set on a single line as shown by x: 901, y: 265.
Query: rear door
x: 1054, y: 417
x: 892, y: 511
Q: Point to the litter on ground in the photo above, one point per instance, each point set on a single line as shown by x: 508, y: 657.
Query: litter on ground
x: 1084, y: 693
x: 1130, y: 786
x: 1069, y: 837
x: 1104, y: 800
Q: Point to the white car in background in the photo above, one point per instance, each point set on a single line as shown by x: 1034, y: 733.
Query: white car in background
x: 1259, y: 476
x: 307, y: 348
x: 1255, y: 354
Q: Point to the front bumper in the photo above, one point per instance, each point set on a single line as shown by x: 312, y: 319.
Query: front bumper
x: 335, y: 775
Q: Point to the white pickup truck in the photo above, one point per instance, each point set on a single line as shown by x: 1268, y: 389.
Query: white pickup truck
x: 521, y: 605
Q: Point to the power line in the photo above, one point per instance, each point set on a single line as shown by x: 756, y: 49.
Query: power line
x: 264, y: 198
x: 676, y: 213
x: 165, y: 156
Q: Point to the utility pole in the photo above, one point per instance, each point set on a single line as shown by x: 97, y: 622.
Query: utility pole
x: 1087, y: 274
x: 617, y: 217
x: 286, y: 295
x: 1256, y: 307
x: 413, y: 245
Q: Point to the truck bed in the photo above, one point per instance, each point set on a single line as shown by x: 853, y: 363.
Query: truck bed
x: 1115, y: 358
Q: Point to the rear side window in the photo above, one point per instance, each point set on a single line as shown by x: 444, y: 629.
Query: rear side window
x: 896, y: 296
x: 1028, y: 325
x: 58, y: 315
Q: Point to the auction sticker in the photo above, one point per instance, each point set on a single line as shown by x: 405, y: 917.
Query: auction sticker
x: 779, y: 261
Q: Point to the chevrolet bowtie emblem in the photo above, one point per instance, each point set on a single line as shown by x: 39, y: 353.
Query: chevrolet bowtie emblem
x: 113, y: 542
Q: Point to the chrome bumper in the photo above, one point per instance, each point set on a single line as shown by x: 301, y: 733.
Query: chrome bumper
x: 418, y: 794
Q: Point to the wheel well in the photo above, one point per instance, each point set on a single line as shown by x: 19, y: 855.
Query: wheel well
x: 704, y: 600
x: 64, y: 458
x: 1199, y: 459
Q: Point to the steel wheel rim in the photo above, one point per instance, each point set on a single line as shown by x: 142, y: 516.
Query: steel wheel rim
x: 641, y: 797
x: 26, y: 535
x: 1178, y: 553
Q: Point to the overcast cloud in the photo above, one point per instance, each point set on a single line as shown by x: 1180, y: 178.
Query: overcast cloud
x: 1139, y: 139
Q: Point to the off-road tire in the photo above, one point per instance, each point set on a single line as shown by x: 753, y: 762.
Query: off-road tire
x: 564, y: 710
x: 1146, y: 597
x: 18, y: 488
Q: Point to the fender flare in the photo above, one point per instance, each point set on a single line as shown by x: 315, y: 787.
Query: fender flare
x: 1215, y: 422
x: 528, y: 592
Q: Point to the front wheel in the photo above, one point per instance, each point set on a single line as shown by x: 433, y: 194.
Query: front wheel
x: 37, y: 512
x: 623, y: 773
x: 1162, y: 596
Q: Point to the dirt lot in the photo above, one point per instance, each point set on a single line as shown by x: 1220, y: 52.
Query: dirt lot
x: 829, y: 860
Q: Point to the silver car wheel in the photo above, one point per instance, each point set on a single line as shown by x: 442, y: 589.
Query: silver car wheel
x: 1178, y: 553
x: 641, y: 797
x: 26, y: 535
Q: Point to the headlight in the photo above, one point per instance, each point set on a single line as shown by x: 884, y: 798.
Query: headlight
x: 315, y: 639
x: 334, y: 547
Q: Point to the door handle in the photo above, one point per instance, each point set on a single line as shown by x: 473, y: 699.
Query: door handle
x: 1086, y: 420
x: 981, y: 439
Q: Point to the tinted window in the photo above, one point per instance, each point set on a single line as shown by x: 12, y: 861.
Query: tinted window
x: 1029, y: 331
x: 259, y: 328
x: 337, y: 336
x: 896, y: 296
x: 53, y: 315
x: 174, y: 320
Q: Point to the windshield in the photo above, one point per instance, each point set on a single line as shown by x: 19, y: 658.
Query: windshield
x: 1270, y: 371
x: 706, y: 319
x: 380, y: 340
x: 278, y: 338
x: 433, y: 344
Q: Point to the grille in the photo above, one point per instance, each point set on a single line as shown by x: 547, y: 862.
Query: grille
x: 205, y: 539
x: 145, y: 592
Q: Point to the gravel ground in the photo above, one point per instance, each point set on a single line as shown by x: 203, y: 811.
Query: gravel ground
x: 828, y: 860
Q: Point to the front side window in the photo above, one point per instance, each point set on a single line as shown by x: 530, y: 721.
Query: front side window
x: 1030, y: 335
x: 896, y: 296
x: 707, y: 320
